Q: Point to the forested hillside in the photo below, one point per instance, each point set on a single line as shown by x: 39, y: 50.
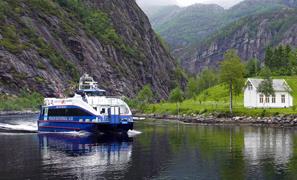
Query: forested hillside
x: 199, y: 39
x: 250, y: 36
x: 181, y: 27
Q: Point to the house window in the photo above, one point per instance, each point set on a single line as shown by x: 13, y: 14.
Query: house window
x: 273, y: 99
x: 261, y: 98
x: 283, y: 98
x: 267, y: 99
x: 250, y: 87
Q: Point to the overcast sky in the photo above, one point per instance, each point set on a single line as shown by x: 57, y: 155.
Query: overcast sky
x: 224, y: 3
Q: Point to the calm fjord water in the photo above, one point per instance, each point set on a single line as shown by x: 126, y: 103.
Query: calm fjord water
x: 164, y: 150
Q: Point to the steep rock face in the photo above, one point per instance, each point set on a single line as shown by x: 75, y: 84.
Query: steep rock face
x: 290, y: 3
x: 249, y: 36
x: 199, y: 36
x: 55, y: 46
x: 184, y: 27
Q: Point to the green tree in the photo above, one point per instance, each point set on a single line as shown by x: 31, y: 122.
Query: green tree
x: 176, y: 96
x: 265, y: 72
x: 266, y: 86
x: 192, y: 88
x: 268, y: 57
x: 253, y: 67
x: 287, y: 55
x: 232, y: 74
x: 206, y: 79
x: 144, y: 97
x: 293, y: 62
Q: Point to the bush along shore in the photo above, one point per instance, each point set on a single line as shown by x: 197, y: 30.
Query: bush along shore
x: 279, y: 120
x: 24, y: 112
x: 25, y: 103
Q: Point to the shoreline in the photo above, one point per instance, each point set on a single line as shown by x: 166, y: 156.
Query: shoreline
x: 281, y: 120
x: 25, y: 112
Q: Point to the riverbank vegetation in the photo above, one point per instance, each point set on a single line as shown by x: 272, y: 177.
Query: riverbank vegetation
x: 209, y: 92
x: 215, y: 100
x: 25, y: 101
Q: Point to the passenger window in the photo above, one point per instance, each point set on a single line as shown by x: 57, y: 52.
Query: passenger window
x: 102, y: 111
x: 124, y: 110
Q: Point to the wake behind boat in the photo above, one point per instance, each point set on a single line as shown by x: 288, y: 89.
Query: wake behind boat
x: 89, y: 110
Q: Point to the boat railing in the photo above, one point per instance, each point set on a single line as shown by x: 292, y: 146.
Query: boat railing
x: 117, y: 97
x: 65, y: 101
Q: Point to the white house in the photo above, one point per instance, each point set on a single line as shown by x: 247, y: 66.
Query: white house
x: 281, y: 99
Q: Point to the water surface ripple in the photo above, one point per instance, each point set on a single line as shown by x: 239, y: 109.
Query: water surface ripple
x: 163, y: 150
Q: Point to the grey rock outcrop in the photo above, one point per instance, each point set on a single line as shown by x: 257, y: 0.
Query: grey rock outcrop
x: 116, y: 71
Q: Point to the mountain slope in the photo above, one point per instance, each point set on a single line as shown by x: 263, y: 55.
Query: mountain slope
x: 182, y: 27
x: 250, y: 36
x: 45, y: 45
x: 193, y: 37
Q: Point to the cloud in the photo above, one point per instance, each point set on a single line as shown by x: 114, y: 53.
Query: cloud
x: 224, y: 3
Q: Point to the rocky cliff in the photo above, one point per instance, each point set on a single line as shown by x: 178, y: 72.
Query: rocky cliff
x: 45, y: 45
x: 200, y: 35
x: 249, y: 36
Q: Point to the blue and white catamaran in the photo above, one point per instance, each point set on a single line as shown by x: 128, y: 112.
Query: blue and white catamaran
x: 88, y: 110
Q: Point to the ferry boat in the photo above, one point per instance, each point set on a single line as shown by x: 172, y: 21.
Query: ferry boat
x: 89, y: 110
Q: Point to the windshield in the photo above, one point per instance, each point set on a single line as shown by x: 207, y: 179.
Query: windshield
x: 96, y: 93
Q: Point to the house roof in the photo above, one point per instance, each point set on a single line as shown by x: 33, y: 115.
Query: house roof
x: 279, y: 85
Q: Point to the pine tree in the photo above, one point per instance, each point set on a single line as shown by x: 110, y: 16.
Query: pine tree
x: 287, y: 52
x: 253, y: 67
x: 279, y: 61
x: 268, y: 57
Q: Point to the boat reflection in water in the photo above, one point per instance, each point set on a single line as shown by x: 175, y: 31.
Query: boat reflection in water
x: 86, y: 157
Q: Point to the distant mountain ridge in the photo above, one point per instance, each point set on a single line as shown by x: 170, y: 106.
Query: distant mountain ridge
x: 175, y: 24
x: 200, y: 46
x: 250, y: 37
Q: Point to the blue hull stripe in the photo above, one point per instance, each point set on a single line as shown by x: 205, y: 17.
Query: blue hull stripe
x: 63, y: 121
x: 49, y: 126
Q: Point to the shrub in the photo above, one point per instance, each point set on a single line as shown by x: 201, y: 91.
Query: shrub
x: 10, y: 39
x: 203, y: 111
x: 40, y: 80
x: 263, y: 113
x: 10, y: 46
x: 25, y: 100
x: 45, y: 6
x: 97, y: 23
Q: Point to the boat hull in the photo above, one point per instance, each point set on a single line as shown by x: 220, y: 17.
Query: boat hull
x: 67, y: 126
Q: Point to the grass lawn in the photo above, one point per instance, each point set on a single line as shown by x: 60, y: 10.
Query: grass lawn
x: 216, y: 99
